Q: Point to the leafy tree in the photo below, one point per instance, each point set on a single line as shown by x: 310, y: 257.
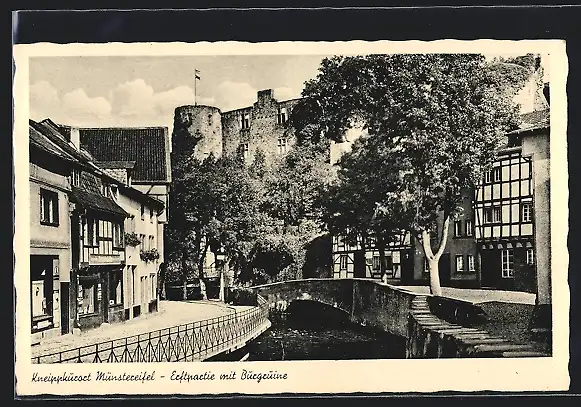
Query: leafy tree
x: 351, y: 205
x: 295, y: 182
x: 435, y: 120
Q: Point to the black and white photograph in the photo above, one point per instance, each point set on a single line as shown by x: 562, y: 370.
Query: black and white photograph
x: 352, y: 203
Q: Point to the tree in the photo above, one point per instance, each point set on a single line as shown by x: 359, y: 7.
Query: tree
x: 295, y: 182
x: 351, y: 210
x: 436, y: 120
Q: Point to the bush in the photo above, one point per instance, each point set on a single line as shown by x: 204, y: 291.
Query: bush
x: 149, y: 255
x: 241, y: 296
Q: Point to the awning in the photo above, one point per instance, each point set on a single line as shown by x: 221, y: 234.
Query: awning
x: 97, y: 202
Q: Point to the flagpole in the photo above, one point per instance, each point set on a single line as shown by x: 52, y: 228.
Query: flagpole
x: 195, y: 80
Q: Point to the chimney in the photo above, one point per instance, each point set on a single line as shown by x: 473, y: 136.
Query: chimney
x: 265, y: 96
x: 76, y: 138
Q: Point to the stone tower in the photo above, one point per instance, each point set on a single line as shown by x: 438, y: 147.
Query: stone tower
x: 197, y: 131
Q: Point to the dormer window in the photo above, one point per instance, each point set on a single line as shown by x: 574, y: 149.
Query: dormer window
x: 104, y: 188
x: 75, y: 178
x: 114, y: 191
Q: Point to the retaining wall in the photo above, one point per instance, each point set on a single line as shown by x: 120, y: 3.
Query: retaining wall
x: 434, y: 327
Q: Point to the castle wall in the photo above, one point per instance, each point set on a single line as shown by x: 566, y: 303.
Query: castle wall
x: 262, y: 126
x: 197, y: 131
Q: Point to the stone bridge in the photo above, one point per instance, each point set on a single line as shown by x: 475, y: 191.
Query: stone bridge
x: 434, y: 327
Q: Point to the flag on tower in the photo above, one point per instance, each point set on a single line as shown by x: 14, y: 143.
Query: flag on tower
x: 198, y: 74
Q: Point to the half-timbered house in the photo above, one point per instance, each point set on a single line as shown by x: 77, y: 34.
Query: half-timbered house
x: 511, y: 207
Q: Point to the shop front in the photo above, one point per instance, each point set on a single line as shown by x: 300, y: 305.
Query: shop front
x: 100, y: 296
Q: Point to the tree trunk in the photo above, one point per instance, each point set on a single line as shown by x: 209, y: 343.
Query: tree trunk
x: 221, y: 294
x: 434, y: 258
x: 381, y: 249
x: 201, y: 263
x: 184, y: 274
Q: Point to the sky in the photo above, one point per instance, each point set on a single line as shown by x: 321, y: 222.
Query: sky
x: 144, y: 91
x: 107, y: 91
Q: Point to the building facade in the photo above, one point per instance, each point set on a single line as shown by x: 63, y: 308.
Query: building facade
x: 205, y: 130
x: 140, y: 158
x: 512, y: 211
x: 50, y: 170
x: 104, y: 279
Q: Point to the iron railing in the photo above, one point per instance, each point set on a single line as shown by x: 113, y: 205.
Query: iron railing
x: 195, y: 341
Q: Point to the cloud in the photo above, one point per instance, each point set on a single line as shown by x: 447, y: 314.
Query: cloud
x: 78, y: 104
x: 135, y: 98
x: 285, y: 93
x: 166, y: 102
x: 234, y: 95
x: 43, y: 99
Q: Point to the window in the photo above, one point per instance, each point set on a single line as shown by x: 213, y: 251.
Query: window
x: 507, y: 260
x: 151, y: 243
x: 459, y: 263
x: 94, y: 232
x: 89, y: 290
x: 492, y: 215
x: 152, y: 286
x: 375, y: 263
x: 49, y: 208
x: 527, y: 212
x: 471, y: 265
x: 142, y: 212
x: 457, y: 228
x: 41, y: 287
x: 116, y: 288
x: 468, y: 227
x: 114, y: 192
x: 75, y: 178
x: 281, y: 119
x: 530, y: 256
x: 142, y: 244
x: 130, y: 224
x: 245, y: 120
x: 343, y: 262
x: 281, y: 145
x: 495, y: 175
x: 117, y: 235
x: 244, y: 148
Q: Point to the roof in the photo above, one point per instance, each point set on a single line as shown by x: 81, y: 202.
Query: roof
x: 148, y: 147
x: 539, y: 119
x: 115, y: 164
x: 88, y: 193
x: 40, y: 141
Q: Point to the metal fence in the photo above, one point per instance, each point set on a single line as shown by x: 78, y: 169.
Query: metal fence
x: 183, y: 343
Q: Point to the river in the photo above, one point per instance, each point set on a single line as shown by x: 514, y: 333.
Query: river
x: 319, y: 336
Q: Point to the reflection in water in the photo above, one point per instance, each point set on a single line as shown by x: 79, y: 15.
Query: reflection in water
x: 287, y: 342
x: 308, y: 330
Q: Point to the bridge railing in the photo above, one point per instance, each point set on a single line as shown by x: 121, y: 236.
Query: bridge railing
x: 194, y: 341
